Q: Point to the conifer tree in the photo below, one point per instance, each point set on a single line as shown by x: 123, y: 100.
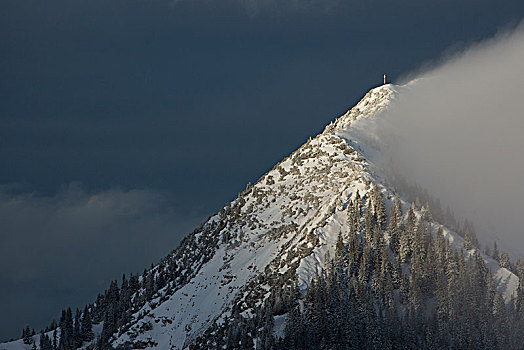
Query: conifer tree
x: 125, y: 301
x: 86, y: 326
x: 340, y: 250
x: 45, y: 342
x: 393, y: 231
x: 66, y: 330
x: 407, y: 237
x: 26, y: 335
x: 352, y: 219
x: 504, y: 260
x: 77, y: 332
x: 495, y: 251
x: 380, y: 208
x: 357, y: 203
x: 398, y: 209
x: 369, y: 221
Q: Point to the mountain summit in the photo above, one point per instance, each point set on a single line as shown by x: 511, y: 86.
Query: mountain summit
x: 249, y: 274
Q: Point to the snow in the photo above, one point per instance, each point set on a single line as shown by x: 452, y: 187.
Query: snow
x: 18, y: 344
x: 309, y: 189
x: 303, y: 196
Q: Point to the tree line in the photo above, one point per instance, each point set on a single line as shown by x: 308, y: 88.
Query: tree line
x: 394, y: 282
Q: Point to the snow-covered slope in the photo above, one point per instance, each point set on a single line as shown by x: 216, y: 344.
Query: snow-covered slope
x: 283, y: 225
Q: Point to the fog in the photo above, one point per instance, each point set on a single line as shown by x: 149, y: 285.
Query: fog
x: 457, y: 130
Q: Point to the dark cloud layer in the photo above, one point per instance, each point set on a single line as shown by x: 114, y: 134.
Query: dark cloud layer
x: 254, y: 8
x: 191, y: 99
x: 59, y: 251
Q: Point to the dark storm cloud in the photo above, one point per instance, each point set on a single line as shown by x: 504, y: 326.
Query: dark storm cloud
x: 60, y: 250
x: 457, y: 131
x: 279, y: 7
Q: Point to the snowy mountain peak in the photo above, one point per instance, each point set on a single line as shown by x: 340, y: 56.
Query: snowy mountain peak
x: 255, y: 257
x: 371, y: 104
x: 280, y: 227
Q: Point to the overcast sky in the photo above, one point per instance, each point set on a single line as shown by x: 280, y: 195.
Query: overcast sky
x: 125, y: 123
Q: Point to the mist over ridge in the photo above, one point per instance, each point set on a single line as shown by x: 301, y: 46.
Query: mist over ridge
x: 456, y: 130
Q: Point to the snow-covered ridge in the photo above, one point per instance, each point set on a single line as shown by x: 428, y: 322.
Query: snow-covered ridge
x: 282, y: 226
x: 375, y: 101
x: 265, y: 235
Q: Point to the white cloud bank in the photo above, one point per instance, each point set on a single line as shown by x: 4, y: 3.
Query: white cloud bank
x: 459, y: 132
